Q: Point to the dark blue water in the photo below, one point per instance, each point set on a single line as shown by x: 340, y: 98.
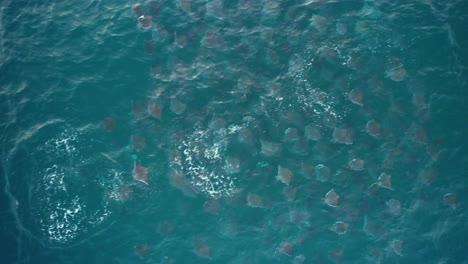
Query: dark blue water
x: 233, y: 131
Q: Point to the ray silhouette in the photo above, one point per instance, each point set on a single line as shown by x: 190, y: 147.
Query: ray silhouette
x: 331, y: 198
x: 140, y: 173
x: 384, y: 181
x: 154, y: 110
x: 339, y: 227
x: 284, y: 175
x: 356, y: 97
x: 286, y: 248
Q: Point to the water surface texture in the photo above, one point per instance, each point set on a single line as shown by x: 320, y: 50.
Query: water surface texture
x: 249, y: 131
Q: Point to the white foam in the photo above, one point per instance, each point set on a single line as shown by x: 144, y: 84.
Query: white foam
x: 204, y: 162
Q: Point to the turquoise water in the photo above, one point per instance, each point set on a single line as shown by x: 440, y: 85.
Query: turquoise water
x: 218, y: 131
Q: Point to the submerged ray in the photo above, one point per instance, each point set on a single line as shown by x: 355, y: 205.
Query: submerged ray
x: 342, y: 136
x: 384, y: 181
x: 141, y: 250
x: 212, y: 206
x: 201, y: 249
x: 284, y: 175
x: 232, y: 165
x: 397, y: 247
x: 299, y: 259
x: 177, y: 107
x: 140, y: 173
x: 396, y: 74
x: 154, y: 110
x: 356, y: 164
x: 372, y: 229
x: 451, y: 200
x: 339, y: 227
x: 322, y: 173
x: 291, y: 134
x: 331, y: 198
x: 356, y: 97
x: 270, y: 149
x: 393, y: 207
x: 285, y: 248
x: 254, y: 200
x: 373, y: 129
x: 312, y: 133
x: 145, y: 21
x: 108, y: 123
x: 290, y: 193
x: 138, y: 10
x: 336, y: 255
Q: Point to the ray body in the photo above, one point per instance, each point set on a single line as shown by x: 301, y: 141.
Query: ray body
x: 285, y: 248
x: 201, y: 249
x: 254, y: 200
x: 356, y: 97
x: 393, y: 207
x: 140, y: 173
x: 322, y: 173
x: 451, y: 200
x: 284, y: 175
x: 356, y: 164
x: 145, y: 21
x: 373, y: 129
x: 397, y: 247
x: 331, y: 198
x: 312, y: 133
x: 155, y: 110
x: 138, y: 10
x: 342, y: 136
x: 340, y: 227
x: 384, y: 181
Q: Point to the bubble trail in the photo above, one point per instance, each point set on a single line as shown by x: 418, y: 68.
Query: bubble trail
x: 232, y: 165
x: 123, y: 192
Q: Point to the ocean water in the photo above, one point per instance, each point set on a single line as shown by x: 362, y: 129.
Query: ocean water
x: 250, y: 131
